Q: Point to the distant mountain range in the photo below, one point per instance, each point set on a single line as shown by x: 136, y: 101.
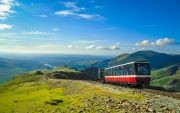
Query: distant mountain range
x: 13, y: 65
x: 165, y: 67
x: 156, y: 59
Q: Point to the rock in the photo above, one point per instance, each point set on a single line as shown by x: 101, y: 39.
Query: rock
x: 150, y: 110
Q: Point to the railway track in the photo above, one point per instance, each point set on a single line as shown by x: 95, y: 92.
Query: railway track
x: 159, y: 92
x: 152, y: 90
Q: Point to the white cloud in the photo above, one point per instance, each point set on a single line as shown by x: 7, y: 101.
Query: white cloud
x: 75, y: 11
x: 133, y: 48
x: 90, y: 47
x: 103, y: 48
x: 64, y: 13
x: 158, y: 43
x: 86, y: 41
x: 143, y: 43
x: 5, y: 26
x: 55, y: 29
x: 88, y: 16
x: 115, y: 47
x: 79, y: 15
x: 35, y: 33
x: 73, y: 6
x: 70, y: 46
x: 6, y: 8
x: 7, y: 34
x: 164, y: 42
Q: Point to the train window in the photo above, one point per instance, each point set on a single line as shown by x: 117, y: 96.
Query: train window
x: 129, y: 70
x: 112, y: 72
x: 121, y: 71
x: 142, y: 68
x: 116, y: 71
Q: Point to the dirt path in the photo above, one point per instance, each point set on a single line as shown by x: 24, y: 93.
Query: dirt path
x: 105, y: 98
x: 147, y: 90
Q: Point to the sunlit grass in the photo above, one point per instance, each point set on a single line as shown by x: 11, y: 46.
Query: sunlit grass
x: 31, y: 93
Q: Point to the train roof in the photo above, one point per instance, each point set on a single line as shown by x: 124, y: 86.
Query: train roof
x: 127, y: 64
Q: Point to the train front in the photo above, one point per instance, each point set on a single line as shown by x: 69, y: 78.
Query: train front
x: 142, y: 73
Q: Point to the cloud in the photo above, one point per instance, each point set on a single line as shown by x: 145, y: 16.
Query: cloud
x: 73, y: 6
x: 70, y: 46
x: 143, y: 43
x: 75, y: 11
x: 35, y: 33
x: 86, y: 41
x: 158, y: 43
x: 103, y: 48
x: 90, y: 47
x: 114, y: 47
x: 88, y: 16
x: 164, y: 42
x: 79, y: 15
x: 55, y: 29
x: 7, y: 34
x: 6, y: 8
x: 64, y: 13
x: 5, y: 26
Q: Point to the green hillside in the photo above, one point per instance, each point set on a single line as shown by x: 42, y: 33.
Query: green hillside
x: 12, y: 67
x: 37, y: 92
x: 18, y: 64
x: 169, y: 78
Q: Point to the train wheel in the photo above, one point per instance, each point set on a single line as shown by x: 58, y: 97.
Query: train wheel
x: 139, y: 85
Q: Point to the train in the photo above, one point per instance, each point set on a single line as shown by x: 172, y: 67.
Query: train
x: 135, y: 73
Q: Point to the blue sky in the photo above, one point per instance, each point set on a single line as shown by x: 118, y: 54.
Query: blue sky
x: 99, y: 27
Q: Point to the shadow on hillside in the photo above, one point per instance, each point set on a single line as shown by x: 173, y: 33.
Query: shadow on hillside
x: 70, y: 75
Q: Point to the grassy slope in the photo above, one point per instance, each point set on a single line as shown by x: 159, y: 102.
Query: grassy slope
x: 168, y: 78
x: 33, y: 93
x: 11, y: 67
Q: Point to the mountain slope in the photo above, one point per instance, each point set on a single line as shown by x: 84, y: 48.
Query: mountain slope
x: 33, y: 92
x: 12, y: 67
x: 157, y: 60
x: 168, y: 78
x: 19, y: 64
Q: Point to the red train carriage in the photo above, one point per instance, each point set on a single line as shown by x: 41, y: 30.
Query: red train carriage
x: 132, y: 73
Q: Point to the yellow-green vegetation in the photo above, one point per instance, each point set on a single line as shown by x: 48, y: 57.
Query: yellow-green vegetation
x: 33, y: 93
x: 64, y: 69
x: 37, y: 92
